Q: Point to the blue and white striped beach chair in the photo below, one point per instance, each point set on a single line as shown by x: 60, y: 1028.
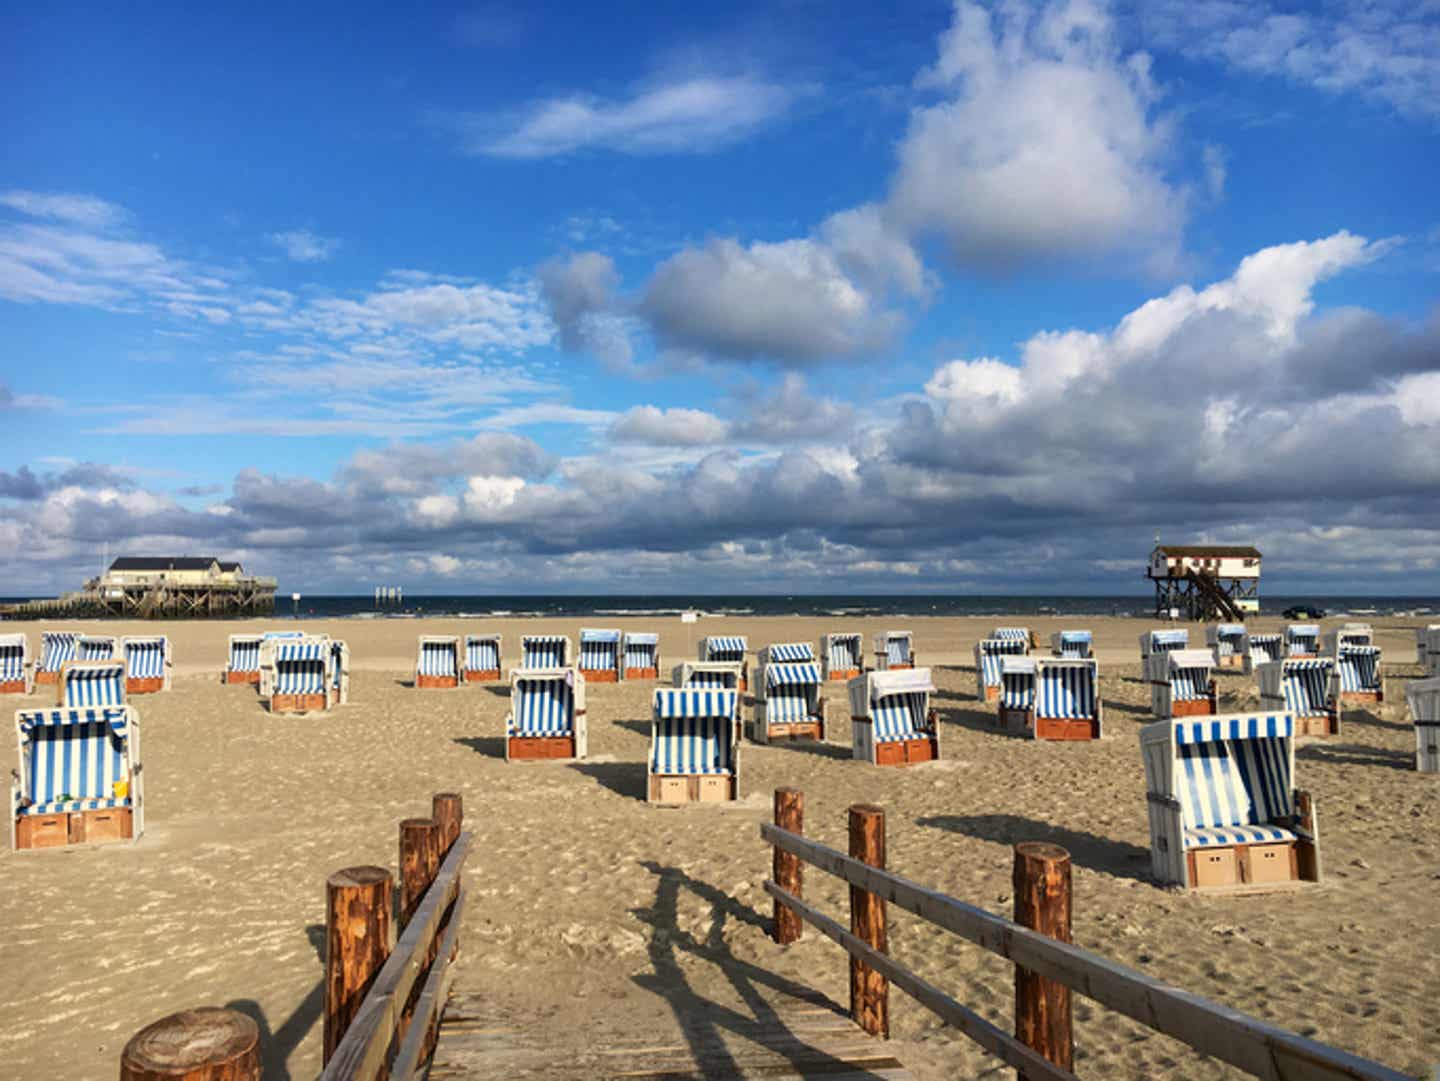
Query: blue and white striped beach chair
x: 1185, y: 689
x: 843, y: 654
x: 438, y: 661
x: 1357, y: 673
x: 600, y: 655
x: 482, y: 658
x: 788, y: 703
x: 1302, y: 640
x: 547, y: 714
x: 1258, y: 649
x: 92, y: 683
x: 1223, y: 809
x: 1423, y: 696
x: 707, y: 675
x: 243, y: 663
x: 1347, y: 635
x: 1015, y: 709
x: 1423, y: 637
x: 16, y: 675
x: 1154, y: 644
x: 57, y: 649
x: 1227, y: 644
x: 147, y: 663
x: 990, y: 654
x: 894, y: 651
x: 728, y: 649
x: 96, y: 647
x: 891, y: 721
x: 544, y: 651
x: 694, y: 750
x: 71, y: 761
x: 642, y: 655
x: 1073, y: 644
x: 1304, y: 688
x: 1020, y: 633
x: 1052, y: 698
x: 297, y: 674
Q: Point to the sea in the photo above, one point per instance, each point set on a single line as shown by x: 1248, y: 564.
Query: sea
x: 897, y: 606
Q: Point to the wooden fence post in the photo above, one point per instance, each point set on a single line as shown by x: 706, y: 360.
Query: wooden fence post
x: 869, y: 990
x: 357, y: 942
x: 207, y: 1044
x: 419, y: 860
x: 1042, y: 903
x: 787, y: 869
x: 448, y: 811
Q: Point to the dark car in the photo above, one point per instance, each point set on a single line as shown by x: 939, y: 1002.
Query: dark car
x: 1304, y: 611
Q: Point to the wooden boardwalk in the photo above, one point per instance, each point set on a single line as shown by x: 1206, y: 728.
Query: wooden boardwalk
x: 802, y: 1038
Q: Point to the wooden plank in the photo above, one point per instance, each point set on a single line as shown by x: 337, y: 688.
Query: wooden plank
x: 362, y: 1053
x: 995, y: 1040
x: 431, y: 1000
x: 1262, y: 1050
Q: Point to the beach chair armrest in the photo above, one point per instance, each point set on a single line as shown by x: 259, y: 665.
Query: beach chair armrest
x: 1164, y: 801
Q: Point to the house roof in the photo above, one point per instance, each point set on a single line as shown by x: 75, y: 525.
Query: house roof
x: 163, y: 563
x: 1212, y: 551
x: 231, y: 565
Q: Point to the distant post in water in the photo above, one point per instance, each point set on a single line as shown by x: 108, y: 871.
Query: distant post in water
x: 1042, y: 903
x: 419, y: 860
x: 357, y: 942
x: 205, y: 1044
x: 869, y: 990
x: 787, y: 869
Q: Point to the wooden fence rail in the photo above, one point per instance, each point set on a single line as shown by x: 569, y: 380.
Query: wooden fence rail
x: 1260, y: 1049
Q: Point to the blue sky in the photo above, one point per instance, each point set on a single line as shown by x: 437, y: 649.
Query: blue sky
x: 774, y: 297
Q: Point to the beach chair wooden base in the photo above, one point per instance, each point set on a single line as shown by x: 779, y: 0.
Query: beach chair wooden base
x: 148, y: 685
x: 436, y: 683
x: 482, y: 675
x: 1245, y: 868
x: 539, y: 747
x: 990, y: 694
x: 1318, y: 724
x: 75, y: 828
x: 1362, y: 697
x: 1193, y: 707
x: 642, y: 673
x: 899, y: 667
x: 232, y: 676
x: 297, y: 703
x: 12, y: 686
x: 812, y: 729
x: 1067, y: 728
x: 600, y: 675
x: 842, y: 675
x: 47, y: 677
x: 907, y: 752
x: 1234, y: 660
x: 677, y: 789
x: 1015, y: 720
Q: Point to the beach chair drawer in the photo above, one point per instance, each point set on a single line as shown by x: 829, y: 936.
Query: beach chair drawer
x: 715, y: 789
x: 1270, y: 863
x: 233, y: 676
x: 1316, y: 725
x: 904, y: 752
x: 43, y: 831
x: 542, y: 747
x: 482, y: 675
x: 1063, y: 728
x: 1214, y: 867
x: 144, y: 685
x: 12, y: 686
x: 444, y: 683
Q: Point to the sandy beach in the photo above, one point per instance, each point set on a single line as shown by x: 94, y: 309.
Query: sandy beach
x: 594, y: 911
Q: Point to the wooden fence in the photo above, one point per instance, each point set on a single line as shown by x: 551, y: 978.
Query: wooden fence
x: 1048, y: 966
x: 382, y: 1004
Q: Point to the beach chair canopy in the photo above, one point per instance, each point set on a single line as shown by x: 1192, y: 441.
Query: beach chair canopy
x: 438, y: 656
x: 1422, y: 641
x: 1350, y: 634
x: 1011, y: 632
x: 1303, y: 684
x: 790, y: 690
x: 145, y: 657
x: 1163, y: 641
x: 94, y: 683
x: 13, y: 652
x: 57, y: 648
x: 711, y: 675
x: 1017, y: 682
x: 482, y: 653
x: 1266, y: 646
x: 792, y: 675
x: 1189, y: 674
x: 1226, y: 638
x: 542, y: 702
x: 599, y: 649
x: 844, y: 650
x: 71, y: 758
x: 642, y: 648
x: 544, y: 651
x: 897, y: 703
x: 1071, y: 643
x: 1064, y: 688
x: 1234, y: 783
x: 245, y: 652
x: 97, y: 647
x: 723, y: 647
x: 301, y: 667
x: 895, y: 647
x: 693, y: 731
x: 1358, y: 668
x: 790, y: 652
x: 1302, y: 637
x: 1423, y: 696
x: 993, y: 651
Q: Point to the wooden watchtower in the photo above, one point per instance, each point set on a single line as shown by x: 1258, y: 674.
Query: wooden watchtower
x: 1205, y: 581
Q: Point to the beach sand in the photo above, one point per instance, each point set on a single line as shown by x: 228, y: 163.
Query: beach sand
x: 593, y: 913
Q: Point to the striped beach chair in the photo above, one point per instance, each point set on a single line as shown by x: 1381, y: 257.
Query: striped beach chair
x: 438, y: 662
x: 642, y: 655
x: 547, y: 714
x: 1157, y: 642
x: 1422, y: 645
x: 147, y: 663
x: 707, y: 675
x: 1346, y: 635
x: 92, y: 683
x: 1302, y: 640
x: 482, y: 658
x: 1022, y: 633
x: 1423, y: 696
x: 1077, y: 645
x: 891, y: 721
x: 1357, y: 674
x: 694, y: 750
x: 544, y: 651
x: 57, y: 648
x: 894, y: 651
x: 1302, y: 687
x: 1224, y: 812
x: 729, y: 649
x: 990, y: 654
x: 843, y: 654
x: 16, y: 675
x: 297, y: 674
x: 1258, y: 649
x: 1053, y: 698
x: 1227, y: 644
x: 80, y: 779
x: 1186, y: 689
x: 96, y: 647
x: 245, y: 651
x: 788, y: 704
x: 600, y: 655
